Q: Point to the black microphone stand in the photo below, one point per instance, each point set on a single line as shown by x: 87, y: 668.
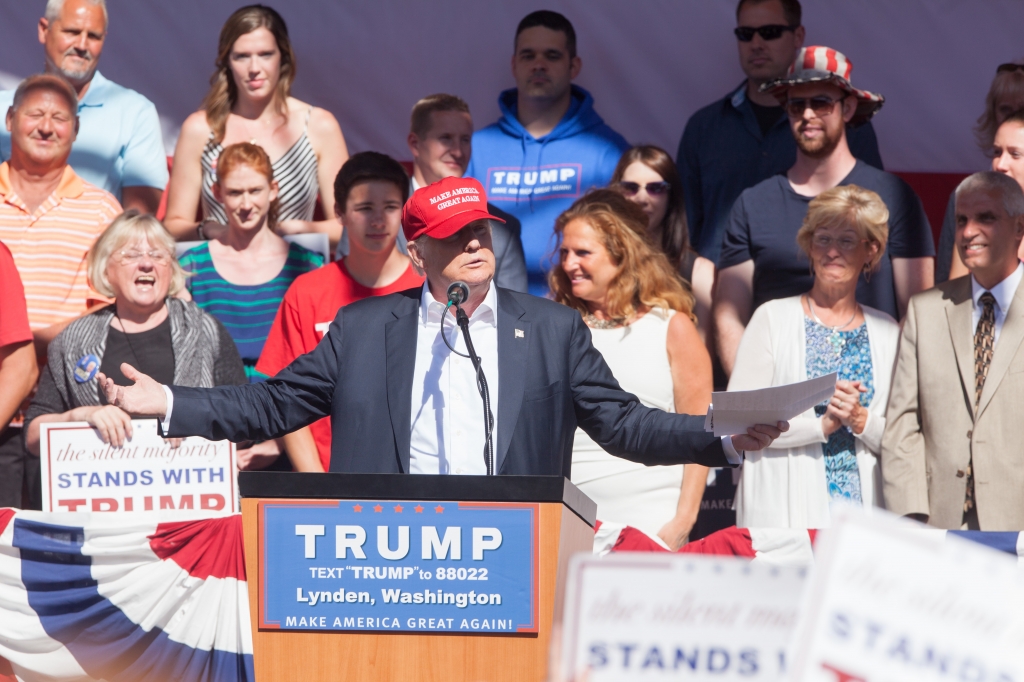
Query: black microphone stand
x: 481, y: 384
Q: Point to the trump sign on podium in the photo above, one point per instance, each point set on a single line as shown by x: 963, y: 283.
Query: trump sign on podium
x: 463, y: 567
x: 82, y: 473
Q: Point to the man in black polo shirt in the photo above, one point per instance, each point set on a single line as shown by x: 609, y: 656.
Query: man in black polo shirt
x: 760, y: 260
x: 742, y: 139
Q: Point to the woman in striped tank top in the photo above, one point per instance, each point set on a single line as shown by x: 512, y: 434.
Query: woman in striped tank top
x: 249, y: 101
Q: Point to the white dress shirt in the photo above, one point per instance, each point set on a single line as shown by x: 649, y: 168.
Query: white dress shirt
x: 1003, y: 293
x: 447, y: 412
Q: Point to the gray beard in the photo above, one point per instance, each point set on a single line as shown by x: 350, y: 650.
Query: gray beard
x: 76, y: 78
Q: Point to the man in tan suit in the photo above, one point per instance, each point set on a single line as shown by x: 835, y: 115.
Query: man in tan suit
x: 953, y: 449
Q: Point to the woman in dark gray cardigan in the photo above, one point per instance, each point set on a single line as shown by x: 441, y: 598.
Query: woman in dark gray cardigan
x: 133, y: 263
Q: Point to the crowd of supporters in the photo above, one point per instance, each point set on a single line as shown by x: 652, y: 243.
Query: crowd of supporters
x: 774, y: 248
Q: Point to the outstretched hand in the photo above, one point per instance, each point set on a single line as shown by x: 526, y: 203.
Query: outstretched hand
x: 144, y: 398
x: 759, y: 437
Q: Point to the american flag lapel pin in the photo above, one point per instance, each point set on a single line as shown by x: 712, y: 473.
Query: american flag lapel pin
x: 520, y: 334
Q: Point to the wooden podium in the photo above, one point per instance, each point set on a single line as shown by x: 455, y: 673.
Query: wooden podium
x: 564, y: 527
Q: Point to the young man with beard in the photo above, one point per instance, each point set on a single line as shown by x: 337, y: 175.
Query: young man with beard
x: 760, y: 259
x: 744, y: 138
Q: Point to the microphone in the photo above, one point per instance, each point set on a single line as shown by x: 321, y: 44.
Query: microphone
x: 458, y: 292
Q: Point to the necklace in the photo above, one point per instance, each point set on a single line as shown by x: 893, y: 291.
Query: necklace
x: 594, y: 323
x: 835, y: 339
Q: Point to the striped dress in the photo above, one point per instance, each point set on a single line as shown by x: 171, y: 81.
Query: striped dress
x: 295, y: 172
x: 247, y: 311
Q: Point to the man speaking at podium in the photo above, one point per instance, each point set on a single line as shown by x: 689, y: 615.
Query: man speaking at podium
x: 405, y: 398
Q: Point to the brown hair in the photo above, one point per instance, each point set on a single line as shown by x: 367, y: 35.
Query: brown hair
x: 1006, y: 85
x: 646, y: 279
x: 675, y: 235
x: 223, y: 91
x: 46, y: 81
x: 419, y: 123
x: 791, y: 10
x: 253, y: 156
x: 847, y: 205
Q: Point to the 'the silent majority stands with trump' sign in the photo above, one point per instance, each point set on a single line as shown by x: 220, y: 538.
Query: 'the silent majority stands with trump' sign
x: 398, y: 566
x: 82, y: 473
x: 663, y: 616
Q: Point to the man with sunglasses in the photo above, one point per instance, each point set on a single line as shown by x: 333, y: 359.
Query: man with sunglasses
x: 742, y: 139
x: 760, y: 260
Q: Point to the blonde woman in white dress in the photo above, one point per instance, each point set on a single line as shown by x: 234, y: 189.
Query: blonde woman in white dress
x: 640, y: 314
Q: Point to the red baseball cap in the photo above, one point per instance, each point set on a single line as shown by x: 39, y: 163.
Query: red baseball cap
x: 443, y: 208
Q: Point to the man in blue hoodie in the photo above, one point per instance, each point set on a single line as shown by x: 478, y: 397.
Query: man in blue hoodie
x: 550, y: 146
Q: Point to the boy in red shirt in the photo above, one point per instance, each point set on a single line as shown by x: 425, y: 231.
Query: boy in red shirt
x: 369, y: 193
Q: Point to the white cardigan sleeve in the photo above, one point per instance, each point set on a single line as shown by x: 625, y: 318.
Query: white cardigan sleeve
x: 872, y: 434
x: 885, y: 333
x: 756, y: 368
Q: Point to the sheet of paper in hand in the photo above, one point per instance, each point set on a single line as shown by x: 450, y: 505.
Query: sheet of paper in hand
x: 82, y: 473
x: 662, y: 617
x: 890, y: 601
x: 734, y: 412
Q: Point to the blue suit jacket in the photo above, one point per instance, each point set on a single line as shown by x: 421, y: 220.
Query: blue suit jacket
x: 551, y: 379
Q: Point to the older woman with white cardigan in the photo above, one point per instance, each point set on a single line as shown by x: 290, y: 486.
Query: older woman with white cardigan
x: 830, y: 453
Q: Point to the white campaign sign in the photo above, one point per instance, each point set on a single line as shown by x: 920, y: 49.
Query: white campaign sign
x: 887, y: 602
x: 661, y: 617
x: 82, y: 473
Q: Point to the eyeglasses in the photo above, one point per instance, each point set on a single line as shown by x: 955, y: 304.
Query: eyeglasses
x: 769, y: 32
x: 824, y: 242
x: 1005, y: 68
x: 821, y: 106
x: 653, y: 188
x: 158, y: 256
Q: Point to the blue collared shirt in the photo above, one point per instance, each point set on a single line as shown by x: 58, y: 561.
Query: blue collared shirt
x: 119, y: 142
x: 722, y: 152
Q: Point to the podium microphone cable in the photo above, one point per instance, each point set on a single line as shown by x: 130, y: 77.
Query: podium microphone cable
x: 457, y: 293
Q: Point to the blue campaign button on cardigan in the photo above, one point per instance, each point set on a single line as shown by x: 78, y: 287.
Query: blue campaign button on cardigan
x: 86, y: 368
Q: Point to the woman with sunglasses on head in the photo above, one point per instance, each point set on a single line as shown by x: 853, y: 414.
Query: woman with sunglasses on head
x: 250, y: 101
x: 147, y: 327
x: 640, y: 317
x: 1005, y: 97
x: 647, y: 176
x: 830, y: 453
